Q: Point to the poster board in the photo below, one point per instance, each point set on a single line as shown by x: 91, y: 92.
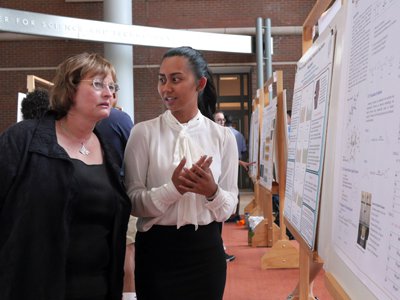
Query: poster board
x: 380, y: 19
x: 364, y: 196
x: 307, y: 138
x: 267, y: 145
x: 254, y: 143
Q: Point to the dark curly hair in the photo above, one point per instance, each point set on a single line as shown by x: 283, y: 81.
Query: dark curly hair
x: 35, y: 104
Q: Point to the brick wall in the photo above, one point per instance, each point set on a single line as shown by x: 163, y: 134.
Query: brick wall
x: 40, y: 57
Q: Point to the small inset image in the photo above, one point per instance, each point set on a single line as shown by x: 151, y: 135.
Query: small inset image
x: 364, y: 222
x: 316, y: 94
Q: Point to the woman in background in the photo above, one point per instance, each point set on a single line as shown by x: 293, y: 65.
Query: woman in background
x: 182, y: 182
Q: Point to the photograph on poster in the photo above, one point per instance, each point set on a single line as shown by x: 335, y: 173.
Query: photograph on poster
x: 316, y: 94
x: 364, y: 222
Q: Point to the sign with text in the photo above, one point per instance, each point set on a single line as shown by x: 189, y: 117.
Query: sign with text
x: 24, y: 22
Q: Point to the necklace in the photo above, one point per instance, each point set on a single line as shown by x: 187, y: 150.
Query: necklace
x: 82, y: 150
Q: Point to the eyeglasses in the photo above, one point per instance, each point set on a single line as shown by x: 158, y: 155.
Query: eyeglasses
x: 99, y: 85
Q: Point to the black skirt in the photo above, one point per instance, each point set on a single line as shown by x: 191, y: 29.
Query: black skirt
x: 180, y: 264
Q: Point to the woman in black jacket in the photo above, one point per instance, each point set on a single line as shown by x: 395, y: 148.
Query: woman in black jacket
x: 63, y: 208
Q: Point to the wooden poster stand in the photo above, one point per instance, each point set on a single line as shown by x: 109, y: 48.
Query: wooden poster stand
x: 310, y: 264
x: 283, y: 253
x: 267, y: 233
x: 263, y: 232
x: 255, y: 207
x: 31, y: 82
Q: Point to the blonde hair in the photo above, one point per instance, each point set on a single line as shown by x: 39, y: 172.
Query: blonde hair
x: 69, y: 74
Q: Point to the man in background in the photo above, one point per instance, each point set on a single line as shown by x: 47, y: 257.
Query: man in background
x: 116, y: 129
x: 219, y: 117
x: 224, y: 120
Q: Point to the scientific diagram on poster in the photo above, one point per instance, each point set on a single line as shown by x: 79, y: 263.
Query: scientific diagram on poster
x: 366, y: 216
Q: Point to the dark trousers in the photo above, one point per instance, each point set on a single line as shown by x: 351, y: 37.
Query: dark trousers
x: 180, y: 264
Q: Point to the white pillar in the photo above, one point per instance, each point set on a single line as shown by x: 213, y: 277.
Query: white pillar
x: 121, y: 56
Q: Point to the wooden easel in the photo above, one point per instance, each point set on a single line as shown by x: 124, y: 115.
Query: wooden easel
x: 262, y: 235
x: 266, y: 232
x: 256, y: 206
x: 283, y: 253
x: 310, y: 263
x: 253, y: 207
x: 31, y: 81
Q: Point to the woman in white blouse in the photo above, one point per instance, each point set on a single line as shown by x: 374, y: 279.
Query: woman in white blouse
x: 181, y: 176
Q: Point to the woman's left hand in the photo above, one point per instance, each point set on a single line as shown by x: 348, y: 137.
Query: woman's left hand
x: 199, y: 178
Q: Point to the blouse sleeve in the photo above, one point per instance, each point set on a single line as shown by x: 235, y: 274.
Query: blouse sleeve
x: 145, y: 202
x: 226, y: 199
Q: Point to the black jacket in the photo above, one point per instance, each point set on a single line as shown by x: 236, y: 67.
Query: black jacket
x: 36, y: 191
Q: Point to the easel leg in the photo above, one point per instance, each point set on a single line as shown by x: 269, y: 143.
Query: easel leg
x: 310, y: 266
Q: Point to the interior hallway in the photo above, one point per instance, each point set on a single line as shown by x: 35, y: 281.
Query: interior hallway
x: 245, y: 278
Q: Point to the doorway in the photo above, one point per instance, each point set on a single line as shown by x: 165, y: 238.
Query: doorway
x: 234, y: 99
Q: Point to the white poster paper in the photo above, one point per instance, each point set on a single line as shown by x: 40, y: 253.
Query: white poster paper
x: 254, y: 143
x: 267, y: 145
x: 307, y: 138
x: 366, y: 220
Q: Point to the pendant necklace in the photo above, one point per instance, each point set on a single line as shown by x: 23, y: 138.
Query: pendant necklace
x: 82, y: 150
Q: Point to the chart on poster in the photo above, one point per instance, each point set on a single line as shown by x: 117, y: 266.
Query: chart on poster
x: 366, y: 218
x: 307, y: 136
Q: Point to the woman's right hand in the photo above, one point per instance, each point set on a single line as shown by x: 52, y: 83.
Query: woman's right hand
x: 204, y: 163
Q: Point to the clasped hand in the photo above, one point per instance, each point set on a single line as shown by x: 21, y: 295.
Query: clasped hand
x: 198, y: 179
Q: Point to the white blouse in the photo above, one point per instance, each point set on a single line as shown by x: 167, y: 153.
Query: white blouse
x: 154, y: 150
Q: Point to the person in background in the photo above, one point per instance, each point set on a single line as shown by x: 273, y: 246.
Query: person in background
x: 116, y: 129
x: 35, y: 104
x: 219, y: 117
x: 240, y: 140
x: 182, y: 184
x: 63, y: 207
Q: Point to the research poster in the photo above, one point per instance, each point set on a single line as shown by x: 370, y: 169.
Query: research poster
x: 267, y: 145
x: 366, y: 216
x: 307, y: 138
x: 254, y: 143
